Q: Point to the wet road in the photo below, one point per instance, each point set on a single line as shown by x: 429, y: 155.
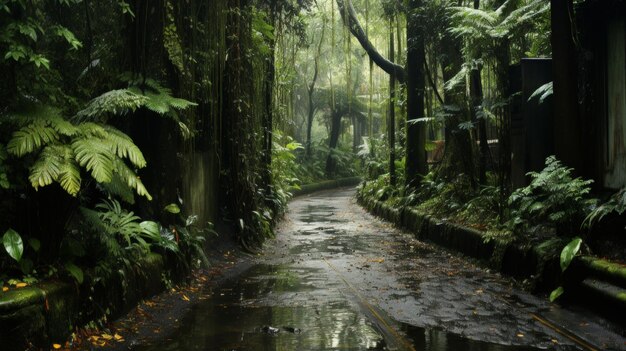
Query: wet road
x: 336, y: 278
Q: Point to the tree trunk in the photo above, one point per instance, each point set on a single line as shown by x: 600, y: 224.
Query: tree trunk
x: 311, y: 90
x: 416, y: 166
x: 391, y: 128
x: 335, y: 129
x: 476, y: 96
x: 567, y: 140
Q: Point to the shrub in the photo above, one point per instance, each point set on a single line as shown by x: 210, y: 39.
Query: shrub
x: 553, y: 199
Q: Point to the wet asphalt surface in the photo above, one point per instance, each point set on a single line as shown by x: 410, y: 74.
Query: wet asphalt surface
x: 337, y: 278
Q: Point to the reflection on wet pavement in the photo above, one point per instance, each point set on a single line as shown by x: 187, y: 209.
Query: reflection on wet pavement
x: 335, y: 278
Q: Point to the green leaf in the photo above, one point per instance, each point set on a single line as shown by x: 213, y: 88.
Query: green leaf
x: 75, y: 271
x: 172, y: 208
x: 152, y: 229
x: 13, y: 244
x: 26, y: 266
x: 30, y: 138
x: 35, y: 244
x: 569, y: 251
x: 96, y: 157
x: 556, y: 293
x: 122, y: 145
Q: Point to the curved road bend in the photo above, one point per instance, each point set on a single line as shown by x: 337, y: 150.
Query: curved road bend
x: 336, y: 278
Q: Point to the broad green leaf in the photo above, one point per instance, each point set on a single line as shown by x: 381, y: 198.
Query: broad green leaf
x: 172, y: 208
x: 151, y: 228
x: 556, y: 293
x: 75, y: 271
x: 13, y: 244
x: 569, y: 251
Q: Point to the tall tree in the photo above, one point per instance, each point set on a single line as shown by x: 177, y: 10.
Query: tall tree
x: 415, y: 132
x: 391, y: 126
x: 416, y: 139
x: 567, y: 138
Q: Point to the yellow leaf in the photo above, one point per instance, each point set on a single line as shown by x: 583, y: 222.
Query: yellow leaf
x: 56, y: 346
x: 520, y: 335
x: 20, y: 285
x: 4, y: 288
x: 107, y: 336
x: 118, y: 337
x: 185, y: 298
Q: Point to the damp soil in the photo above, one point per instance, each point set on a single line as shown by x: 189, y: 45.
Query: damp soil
x: 336, y: 278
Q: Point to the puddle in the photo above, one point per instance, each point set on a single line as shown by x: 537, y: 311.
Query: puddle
x: 291, y: 307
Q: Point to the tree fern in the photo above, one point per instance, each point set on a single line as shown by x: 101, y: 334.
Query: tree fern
x: 114, y: 102
x: 132, y: 180
x: 56, y: 164
x: 62, y: 147
x: 31, y: 137
x: 119, y: 188
x: 96, y: 157
x: 122, y: 145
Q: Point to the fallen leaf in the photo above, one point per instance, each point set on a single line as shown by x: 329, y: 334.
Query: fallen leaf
x: 20, y: 285
x: 118, y: 337
x: 107, y: 336
x: 56, y: 346
x: 185, y: 298
x: 4, y: 288
x: 520, y: 335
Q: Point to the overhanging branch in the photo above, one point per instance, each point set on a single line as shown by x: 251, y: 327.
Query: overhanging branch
x: 355, y: 28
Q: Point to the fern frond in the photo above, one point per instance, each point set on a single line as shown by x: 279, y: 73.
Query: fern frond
x: 55, y: 164
x: 131, y: 178
x: 31, y: 137
x: 118, y: 187
x: 47, y: 167
x: 158, y: 103
x: 61, y: 125
x: 180, y: 104
x: 31, y: 111
x: 458, y: 79
x: 90, y: 129
x: 114, y: 102
x: 471, y: 15
x: 122, y: 145
x: 69, y: 174
x: 96, y: 156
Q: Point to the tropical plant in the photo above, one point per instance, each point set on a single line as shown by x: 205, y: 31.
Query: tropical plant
x: 616, y: 204
x: 188, y: 235
x: 284, y: 168
x: 567, y: 255
x: 552, y: 198
x: 62, y: 148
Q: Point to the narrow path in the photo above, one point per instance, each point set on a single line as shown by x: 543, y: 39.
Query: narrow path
x: 336, y: 278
